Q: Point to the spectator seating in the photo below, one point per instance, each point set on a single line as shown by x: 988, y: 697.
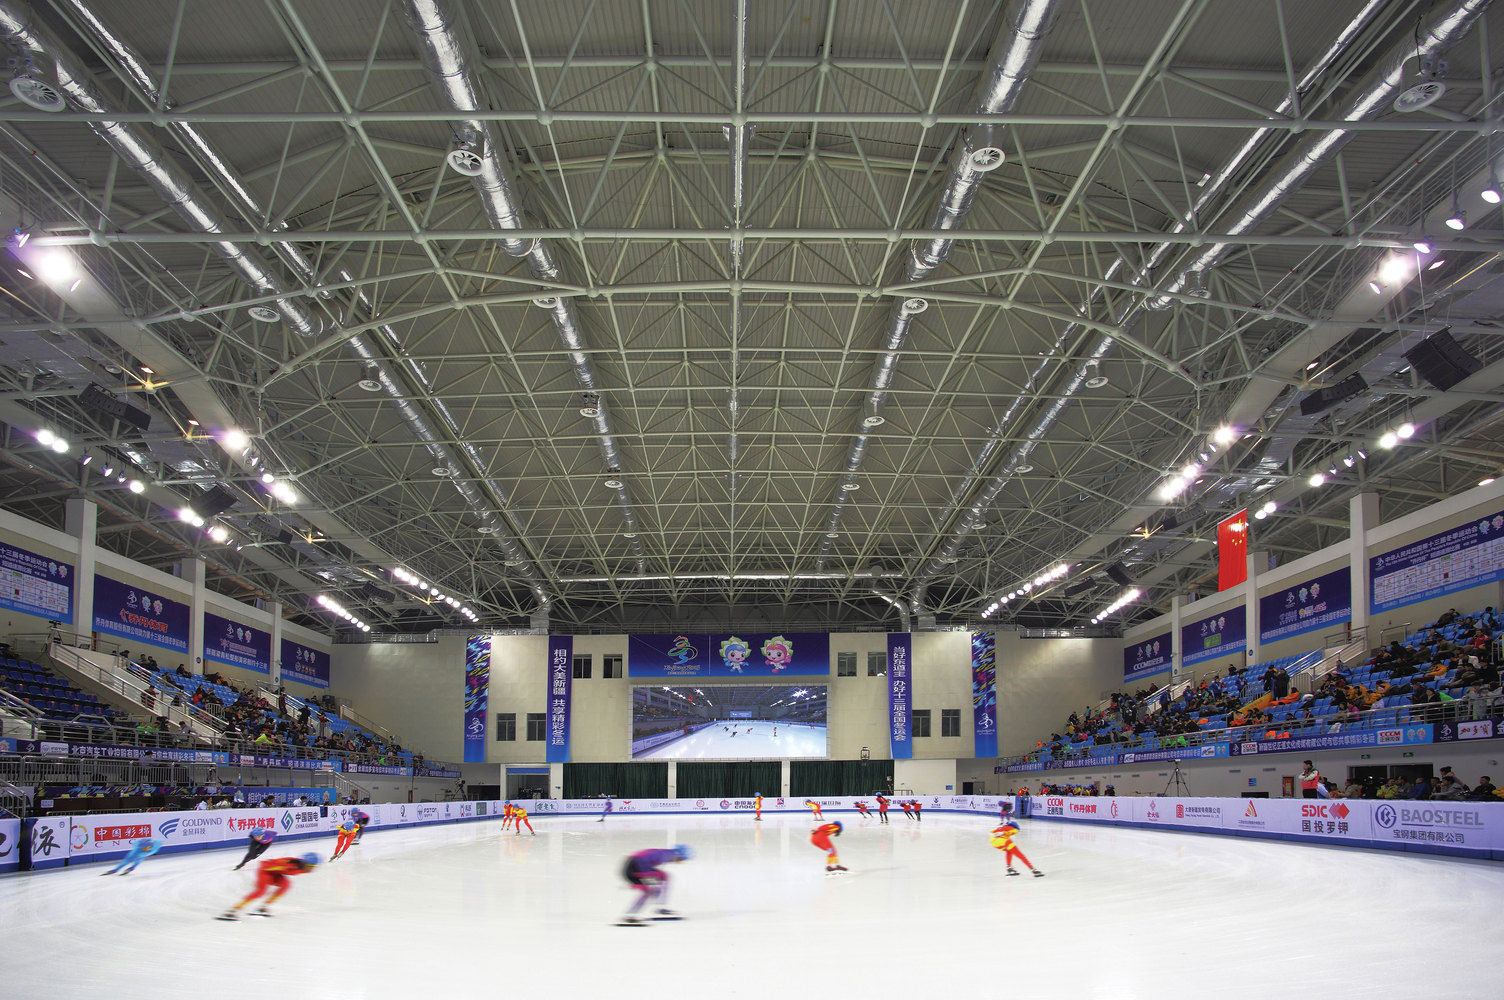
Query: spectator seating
x: 55, y: 698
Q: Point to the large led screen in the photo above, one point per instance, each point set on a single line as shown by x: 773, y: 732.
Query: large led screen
x: 740, y: 722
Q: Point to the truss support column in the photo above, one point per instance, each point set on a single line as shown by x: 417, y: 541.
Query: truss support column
x: 1363, y: 517
x: 274, y: 608
x: 1258, y: 562
x: 194, y: 571
x: 82, y: 522
x: 673, y: 780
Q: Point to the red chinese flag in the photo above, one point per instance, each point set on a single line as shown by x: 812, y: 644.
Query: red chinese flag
x: 1232, y: 550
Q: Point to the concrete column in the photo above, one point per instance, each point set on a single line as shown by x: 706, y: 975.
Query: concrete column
x: 783, y: 779
x: 673, y: 779
x: 1177, y: 604
x: 195, y: 571
x: 82, y: 521
x: 1363, y: 516
x: 275, y: 608
x: 555, y: 781
x: 1257, y: 561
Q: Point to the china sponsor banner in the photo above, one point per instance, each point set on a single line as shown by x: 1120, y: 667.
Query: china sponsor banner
x: 1392, y: 736
x: 1221, y: 634
x: 49, y: 841
x: 111, y: 833
x: 140, y: 615
x: 1232, y: 550
x: 190, y: 829
x: 477, y: 692
x: 1147, y: 657
x: 1474, y: 729
x: 387, y: 769
x: 288, y: 763
x: 303, y: 664
x: 10, y: 845
x: 35, y: 585
x: 984, y: 692
x: 1205, y: 751
x: 1466, y: 556
x: 236, y: 645
x: 560, y: 680
x: 900, y: 733
x: 1455, y: 826
x: 1307, y: 606
x: 725, y: 654
x: 1179, y: 812
x: 298, y: 820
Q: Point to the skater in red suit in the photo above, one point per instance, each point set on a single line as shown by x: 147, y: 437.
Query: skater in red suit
x: 908, y: 809
x: 861, y: 807
x: 1002, y: 839
x: 519, y: 817
x: 273, y: 875
x: 348, y: 831
x: 820, y: 837
x: 882, y: 808
x: 918, y: 811
x: 814, y: 807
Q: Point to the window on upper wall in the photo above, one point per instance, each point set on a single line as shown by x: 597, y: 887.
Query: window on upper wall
x: 537, y: 726
x: 919, y: 722
x: 582, y: 666
x: 506, y: 727
x: 845, y: 664
x: 950, y: 722
x: 611, y: 666
x: 877, y: 665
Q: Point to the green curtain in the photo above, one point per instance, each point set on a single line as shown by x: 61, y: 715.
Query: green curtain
x: 726, y: 779
x: 623, y: 781
x: 814, y: 778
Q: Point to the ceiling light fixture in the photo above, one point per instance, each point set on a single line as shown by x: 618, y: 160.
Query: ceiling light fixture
x: 1458, y: 219
x: 1406, y: 431
x: 1388, y: 440
x: 1317, y: 478
x: 1422, y: 245
x: 60, y: 445
x: 137, y: 486
x: 1436, y: 263
x: 234, y: 439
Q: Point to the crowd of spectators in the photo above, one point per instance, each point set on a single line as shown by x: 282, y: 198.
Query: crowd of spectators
x: 1447, y: 671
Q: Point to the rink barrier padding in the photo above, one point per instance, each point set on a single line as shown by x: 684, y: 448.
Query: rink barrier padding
x: 1457, y: 829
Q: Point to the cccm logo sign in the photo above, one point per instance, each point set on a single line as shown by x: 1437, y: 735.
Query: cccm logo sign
x: 1385, y: 815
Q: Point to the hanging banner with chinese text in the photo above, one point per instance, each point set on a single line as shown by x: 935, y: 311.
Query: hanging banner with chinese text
x: 560, y: 674
x: 900, y: 735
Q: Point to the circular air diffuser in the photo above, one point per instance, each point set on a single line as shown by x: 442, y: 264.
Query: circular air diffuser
x: 987, y: 158
x: 369, y: 385
x: 1422, y: 95
x: 1096, y: 381
x: 443, y: 471
x: 37, y: 94
x: 874, y: 421
x: 264, y: 314
x: 465, y: 161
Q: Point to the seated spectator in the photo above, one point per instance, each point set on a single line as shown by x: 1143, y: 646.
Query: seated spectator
x: 1484, y: 790
x: 1420, y: 789
x: 1354, y: 789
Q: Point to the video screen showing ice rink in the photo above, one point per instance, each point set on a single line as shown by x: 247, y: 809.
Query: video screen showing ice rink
x: 729, y: 722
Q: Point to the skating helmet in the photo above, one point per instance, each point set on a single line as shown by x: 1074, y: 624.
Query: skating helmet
x: 684, y: 851
x: 1009, y: 825
x: 310, y: 859
x: 837, y: 825
x: 360, y: 817
x: 262, y: 835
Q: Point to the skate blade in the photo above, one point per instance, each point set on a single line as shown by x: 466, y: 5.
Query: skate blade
x: 227, y: 916
x: 675, y: 917
x: 631, y: 923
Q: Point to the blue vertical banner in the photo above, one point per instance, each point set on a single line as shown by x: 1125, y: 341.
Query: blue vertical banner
x: 560, y: 675
x: 900, y: 690
x: 984, y: 692
x: 477, y: 688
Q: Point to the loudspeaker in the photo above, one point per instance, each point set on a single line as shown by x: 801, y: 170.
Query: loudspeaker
x: 1077, y: 589
x: 285, y: 537
x: 1117, y: 574
x: 96, y: 399
x: 1324, y: 399
x: 1440, y: 360
x: 215, y: 501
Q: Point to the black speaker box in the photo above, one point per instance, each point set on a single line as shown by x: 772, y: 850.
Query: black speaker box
x: 1324, y: 399
x: 96, y: 399
x: 1440, y: 360
x: 1117, y: 574
x: 215, y: 501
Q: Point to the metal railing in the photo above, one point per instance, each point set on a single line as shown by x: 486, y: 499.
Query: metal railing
x: 116, y: 676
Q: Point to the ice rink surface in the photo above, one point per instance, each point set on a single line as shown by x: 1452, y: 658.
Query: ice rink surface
x: 753, y: 741
x: 469, y: 910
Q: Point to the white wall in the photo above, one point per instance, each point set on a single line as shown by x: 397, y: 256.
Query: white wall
x: 416, y: 690
x: 925, y: 777
x: 1040, y: 682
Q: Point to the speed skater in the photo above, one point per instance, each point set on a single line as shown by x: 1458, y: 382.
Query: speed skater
x: 814, y: 807
x: 820, y: 837
x: 908, y: 808
x: 273, y: 875
x: 1002, y: 839
x: 519, y: 817
x: 861, y: 807
x: 139, y: 852
x: 882, y: 808
x: 362, y: 819
x: 644, y: 872
x: 260, y: 839
x: 348, y: 831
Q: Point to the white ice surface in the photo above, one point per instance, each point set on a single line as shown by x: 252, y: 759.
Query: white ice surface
x: 470, y: 911
x: 715, y: 743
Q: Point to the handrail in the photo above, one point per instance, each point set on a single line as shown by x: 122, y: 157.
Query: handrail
x: 134, y: 689
x: 1403, y: 629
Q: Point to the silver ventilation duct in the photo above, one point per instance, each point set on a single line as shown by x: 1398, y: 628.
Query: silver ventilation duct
x: 1374, y: 98
x: 142, y: 154
x: 739, y: 136
x: 1016, y: 51
x: 1448, y: 29
x: 433, y: 26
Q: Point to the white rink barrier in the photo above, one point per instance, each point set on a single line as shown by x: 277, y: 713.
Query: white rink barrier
x: 1466, y: 829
